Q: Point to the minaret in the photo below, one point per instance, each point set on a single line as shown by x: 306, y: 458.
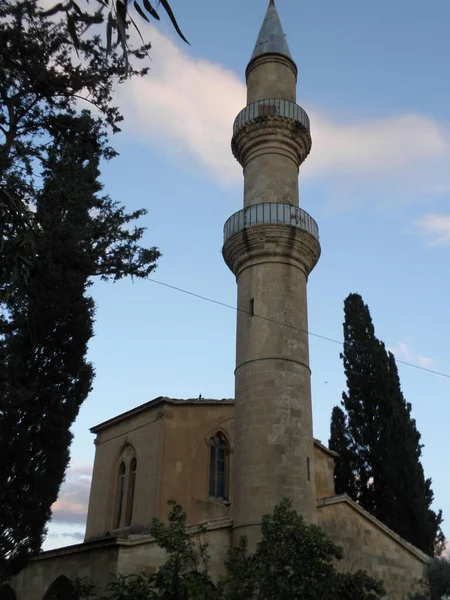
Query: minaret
x: 271, y: 246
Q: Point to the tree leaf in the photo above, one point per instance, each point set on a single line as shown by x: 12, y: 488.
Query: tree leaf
x: 149, y: 8
x: 121, y: 13
x: 172, y: 18
x: 73, y: 32
x: 141, y: 12
x: 137, y: 29
x: 53, y: 10
x: 109, y: 28
x: 77, y: 8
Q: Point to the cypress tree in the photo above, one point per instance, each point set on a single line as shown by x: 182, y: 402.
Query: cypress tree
x: 340, y: 442
x: 46, y: 326
x: 377, y: 438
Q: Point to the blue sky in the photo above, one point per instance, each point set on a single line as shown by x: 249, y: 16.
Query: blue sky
x: 373, y: 79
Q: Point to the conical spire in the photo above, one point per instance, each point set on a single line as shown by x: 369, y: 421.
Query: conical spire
x: 271, y: 38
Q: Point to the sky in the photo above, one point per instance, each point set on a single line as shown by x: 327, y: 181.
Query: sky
x: 373, y: 79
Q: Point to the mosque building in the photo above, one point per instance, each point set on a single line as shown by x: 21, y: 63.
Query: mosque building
x: 228, y: 462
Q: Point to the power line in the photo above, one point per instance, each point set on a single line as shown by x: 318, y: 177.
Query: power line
x: 317, y: 335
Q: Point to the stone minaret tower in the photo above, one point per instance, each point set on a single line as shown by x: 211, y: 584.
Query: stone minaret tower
x: 271, y: 246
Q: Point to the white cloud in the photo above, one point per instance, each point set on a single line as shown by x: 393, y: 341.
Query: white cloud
x: 187, y: 105
x: 71, y: 506
x: 374, y: 146
x: 403, y: 352
x: 436, y: 228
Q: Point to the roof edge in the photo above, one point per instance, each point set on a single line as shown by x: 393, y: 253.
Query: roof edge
x: 343, y: 498
x: 160, y: 400
x: 319, y: 444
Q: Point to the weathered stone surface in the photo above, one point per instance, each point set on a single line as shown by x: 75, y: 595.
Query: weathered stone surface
x: 272, y: 251
x: 101, y: 561
x: 169, y: 440
x: 182, y: 468
x: 324, y: 463
x: 370, y: 545
x: 271, y: 76
x: 96, y: 561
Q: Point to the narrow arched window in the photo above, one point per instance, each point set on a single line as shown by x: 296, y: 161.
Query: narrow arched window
x: 218, y: 467
x: 131, y: 486
x: 7, y: 593
x: 61, y: 589
x: 120, y: 494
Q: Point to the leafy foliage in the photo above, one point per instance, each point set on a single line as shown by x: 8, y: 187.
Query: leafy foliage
x: 74, y: 234
x: 42, y: 84
x: 345, y: 480
x: 185, y: 574
x: 436, y: 582
x: 118, y: 18
x: 377, y: 438
x: 293, y: 560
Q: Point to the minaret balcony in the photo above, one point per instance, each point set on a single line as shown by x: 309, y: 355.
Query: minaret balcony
x: 271, y: 126
x: 270, y: 213
x: 273, y: 107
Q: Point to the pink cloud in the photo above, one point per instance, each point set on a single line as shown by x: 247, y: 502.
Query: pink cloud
x: 72, y: 503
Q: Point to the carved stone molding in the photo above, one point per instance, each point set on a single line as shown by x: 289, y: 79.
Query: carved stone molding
x: 271, y: 135
x: 269, y: 243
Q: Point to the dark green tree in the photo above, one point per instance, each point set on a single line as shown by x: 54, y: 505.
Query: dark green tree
x: 46, y: 325
x: 56, y: 234
x: 340, y: 442
x: 185, y: 574
x: 42, y: 83
x: 294, y: 560
x: 436, y: 583
x: 378, y: 440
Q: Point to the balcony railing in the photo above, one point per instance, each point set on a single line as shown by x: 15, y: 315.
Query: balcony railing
x: 267, y: 108
x: 270, y: 212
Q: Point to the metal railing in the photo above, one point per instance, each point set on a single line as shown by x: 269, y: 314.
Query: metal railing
x: 267, y: 108
x: 270, y: 212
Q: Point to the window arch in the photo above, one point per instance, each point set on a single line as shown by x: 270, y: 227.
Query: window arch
x: 219, y: 459
x: 7, y: 593
x: 61, y: 589
x: 120, y: 494
x: 131, y: 488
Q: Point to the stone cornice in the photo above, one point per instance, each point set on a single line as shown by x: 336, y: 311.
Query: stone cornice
x: 269, y: 243
x: 152, y: 404
x: 272, y: 134
x: 344, y: 499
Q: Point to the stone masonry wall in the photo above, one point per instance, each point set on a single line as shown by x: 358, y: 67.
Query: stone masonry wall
x: 371, y: 546
x: 96, y: 562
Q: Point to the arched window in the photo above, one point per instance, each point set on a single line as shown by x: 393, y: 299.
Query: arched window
x: 218, y: 467
x: 131, y: 486
x: 120, y: 494
x: 61, y: 589
x: 7, y: 593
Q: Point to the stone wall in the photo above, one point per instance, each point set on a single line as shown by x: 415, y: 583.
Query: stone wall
x: 185, y: 462
x: 141, y: 436
x: 169, y: 439
x: 370, y: 545
x: 324, y: 463
x: 96, y: 561
x: 101, y: 560
x: 144, y: 556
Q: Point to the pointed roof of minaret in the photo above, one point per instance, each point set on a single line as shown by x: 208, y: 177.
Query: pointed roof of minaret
x: 271, y: 38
